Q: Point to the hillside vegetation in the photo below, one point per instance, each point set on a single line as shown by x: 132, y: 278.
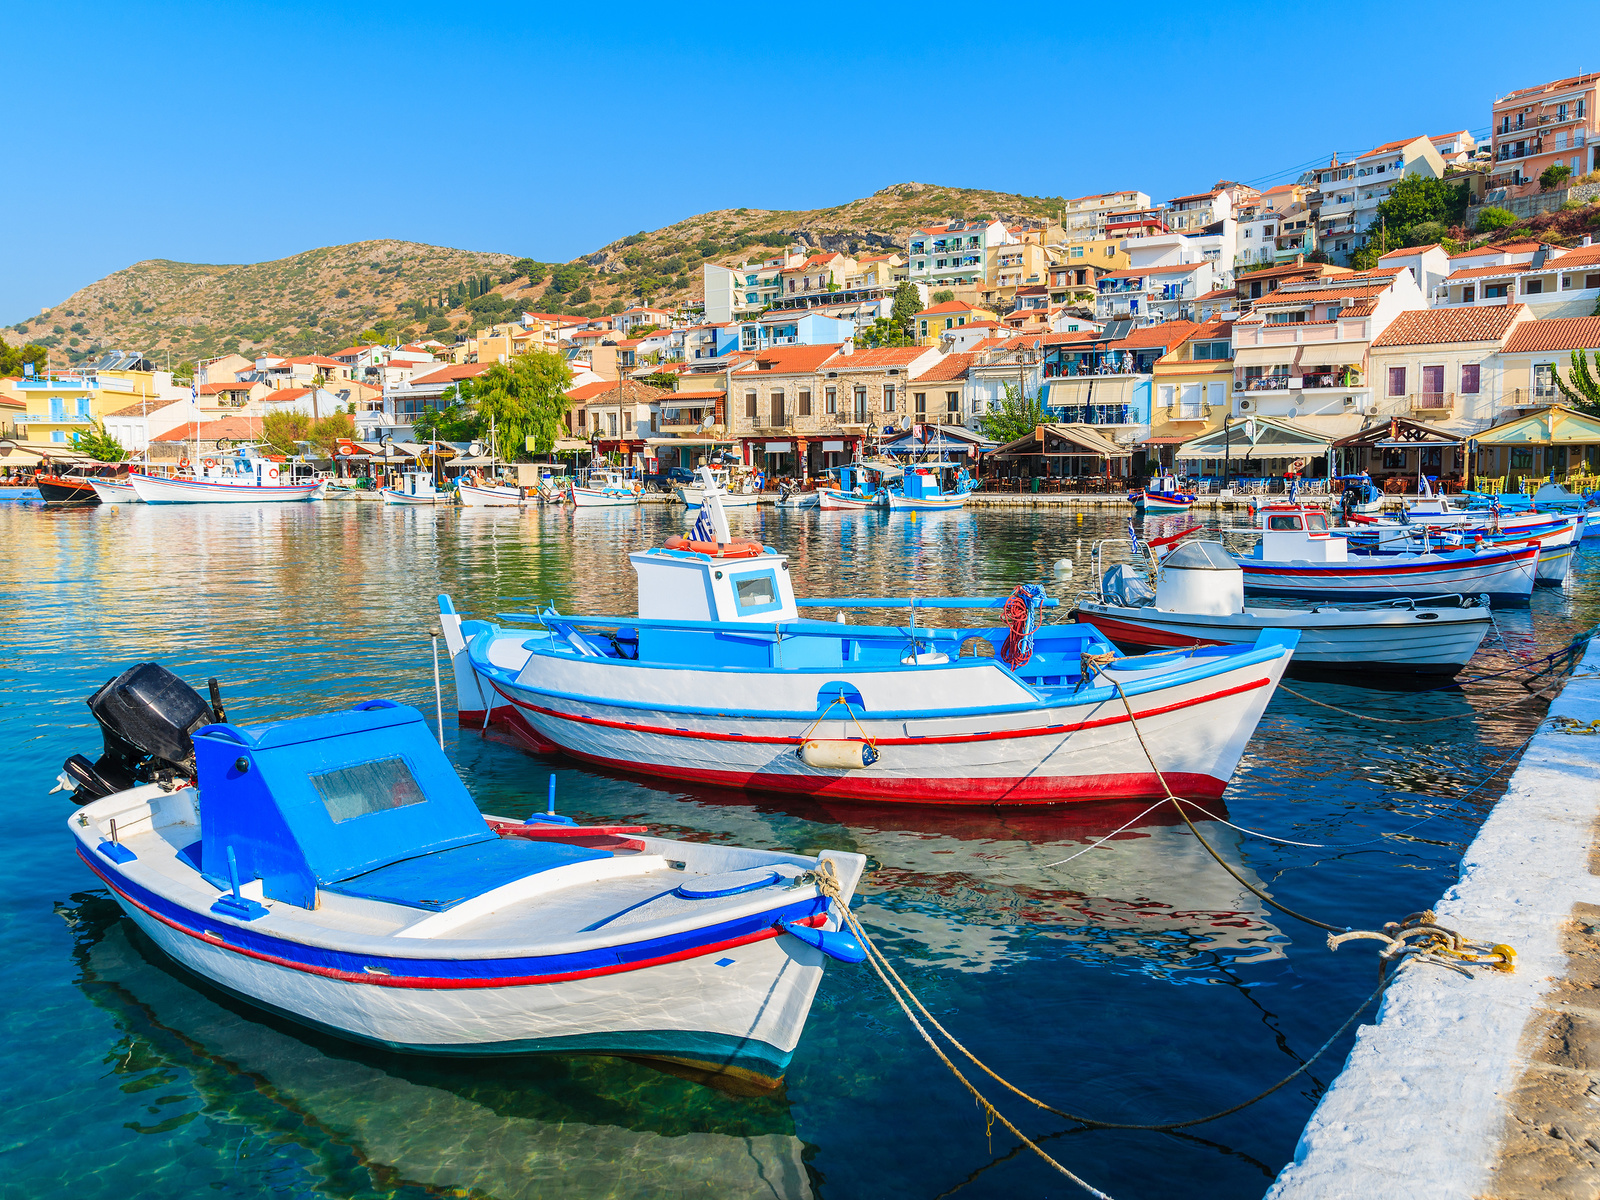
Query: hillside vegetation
x: 321, y: 299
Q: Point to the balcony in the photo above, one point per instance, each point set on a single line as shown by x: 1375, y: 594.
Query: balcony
x: 1432, y: 404
x: 1095, y: 414
x: 1310, y: 381
x: 51, y: 419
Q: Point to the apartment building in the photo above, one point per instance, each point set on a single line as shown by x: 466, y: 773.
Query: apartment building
x: 1347, y: 195
x: 1083, y: 219
x: 1551, y: 281
x: 1538, y: 127
x: 1440, y: 365
x: 955, y: 253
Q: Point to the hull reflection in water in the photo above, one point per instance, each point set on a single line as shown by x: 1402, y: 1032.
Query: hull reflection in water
x: 459, y: 1131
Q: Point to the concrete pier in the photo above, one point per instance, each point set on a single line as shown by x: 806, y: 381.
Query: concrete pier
x: 1488, y: 1086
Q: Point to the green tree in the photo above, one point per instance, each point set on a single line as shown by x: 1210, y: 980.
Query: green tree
x: 1414, y: 200
x: 907, y: 303
x: 943, y: 296
x: 525, y: 398
x: 885, y: 331
x: 567, y: 278
x: 1017, y: 417
x: 1583, y: 391
x: 1553, y: 176
x: 1492, y: 217
x: 325, y: 433
x: 581, y: 296
x: 12, y: 358
x: 454, y: 423
x: 99, y: 445
x: 283, y: 432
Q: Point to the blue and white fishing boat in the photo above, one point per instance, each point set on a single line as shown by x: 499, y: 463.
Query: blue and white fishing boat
x: 416, y: 487
x: 921, y: 488
x: 860, y: 486
x: 1163, y: 495
x: 719, y: 680
x: 242, y: 476
x: 334, y: 870
x: 605, y: 488
x: 1556, y: 536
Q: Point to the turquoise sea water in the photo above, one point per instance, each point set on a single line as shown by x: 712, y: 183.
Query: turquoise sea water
x: 1136, y: 983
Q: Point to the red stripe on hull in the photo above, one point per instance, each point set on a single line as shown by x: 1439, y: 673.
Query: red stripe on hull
x: 1124, y: 634
x: 1119, y: 718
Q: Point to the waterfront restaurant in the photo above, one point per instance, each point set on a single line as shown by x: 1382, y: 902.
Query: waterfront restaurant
x: 1392, y: 452
x: 1555, y: 439
x: 1256, y: 449
x: 1059, y: 458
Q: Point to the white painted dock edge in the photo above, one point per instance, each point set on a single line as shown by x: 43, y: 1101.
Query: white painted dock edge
x: 1420, y: 1105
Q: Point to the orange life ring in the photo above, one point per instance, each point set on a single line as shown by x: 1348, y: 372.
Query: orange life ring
x: 209, y: 463
x: 715, y: 550
x: 183, y: 464
x: 272, y: 472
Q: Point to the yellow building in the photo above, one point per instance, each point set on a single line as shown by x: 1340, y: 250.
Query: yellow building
x: 1192, y: 388
x: 61, y: 403
x: 932, y: 322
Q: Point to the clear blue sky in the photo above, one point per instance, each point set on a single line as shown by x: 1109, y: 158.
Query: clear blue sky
x: 248, y: 131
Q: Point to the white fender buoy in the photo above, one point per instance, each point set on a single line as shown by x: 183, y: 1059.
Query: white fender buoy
x: 838, y: 754
x: 1063, y: 566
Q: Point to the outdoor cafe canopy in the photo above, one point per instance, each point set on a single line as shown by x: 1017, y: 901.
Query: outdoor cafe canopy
x: 1557, y: 425
x: 1257, y: 437
x: 1063, y: 441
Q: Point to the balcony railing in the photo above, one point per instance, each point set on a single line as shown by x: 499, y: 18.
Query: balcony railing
x: 51, y: 419
x: 1432, y: 402
x: 1095, y: 414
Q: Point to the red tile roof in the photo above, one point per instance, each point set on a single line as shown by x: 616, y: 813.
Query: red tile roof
x: 1168, y: 334
x: 883, y: 356
x: 1433, y: 325
x: 132, y: 410
x: 705, y: 395
x: 1080, y: 335
x: 316, y: 360
x: 947, y: 370
x: 1525, y: 247
x: 349, y: 352
x: 281, y: 395
x: 1408, y: 251
x: 949, y: 306
x: 1218, y: 294
x: 1555, y: 333
x: 454, y: 373
x: 788, y: 360
x: 227, y: 427
x: 589, y: 391
x: 1491, y: 271
x: 1141, y: 272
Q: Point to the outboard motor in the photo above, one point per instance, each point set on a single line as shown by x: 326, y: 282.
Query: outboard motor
x: 1124, y: 587
x: 147, y: 719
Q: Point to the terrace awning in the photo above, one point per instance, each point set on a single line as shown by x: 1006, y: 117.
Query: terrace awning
x: 1273, y: 439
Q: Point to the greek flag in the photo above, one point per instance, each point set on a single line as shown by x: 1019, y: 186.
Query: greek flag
x: 1133, y: 536
x: 704, y: 530
x: 1294, y: 490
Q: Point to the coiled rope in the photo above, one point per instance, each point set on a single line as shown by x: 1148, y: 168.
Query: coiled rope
x: 1021, y: 614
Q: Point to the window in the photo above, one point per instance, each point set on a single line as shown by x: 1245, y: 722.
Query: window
x: 1333, y: 311
x: 861, y: 405
x: 1297, y: 317
x: 1432, y: 381
x: 1532, y: 287
x: 921, y: 405
x: 1077, y: 252
x: 1492, y: 290
x: 1216, y: 394
x: 1591, y: 281
x: 1544, y: 379
x: 1283, y: 523
x: 777, y: 408
x: 949, y: 322
x: 1394, y: 460
x: 1111, y: 251
x: 805, y: 402
x: 922, y: 330
x: 1189, y: 402
x: 58, y: 435
x: 1468, y: 295
x: 611, y: 422
x: 830, y: 401
x: 952, y: 406
x: 757, y: 592
x: 1255, y: 290
x: 750, y: 405
x: 83, y: 407
x: 1521, y: 460
x: 1211, y: 351
x: 1469, y: 379
x: 1397, y: 381
x: 583, y: 417
x: 368, y: 788
x: 1167, y: 395
x: 888, y: 397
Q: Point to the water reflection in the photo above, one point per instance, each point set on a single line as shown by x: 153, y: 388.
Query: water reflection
x: 503, y: 1130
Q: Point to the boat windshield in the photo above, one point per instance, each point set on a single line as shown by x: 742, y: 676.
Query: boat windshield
x: 1316, y: 521
x: 371, y: 787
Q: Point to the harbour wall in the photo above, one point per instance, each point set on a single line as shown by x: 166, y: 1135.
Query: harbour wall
x: 1488, y: 1085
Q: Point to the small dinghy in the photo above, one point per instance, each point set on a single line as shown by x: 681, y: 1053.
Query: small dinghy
x: 1163, y: 495
x: 333, y: 869
x: 1199, y: 600
x: 719, y: 680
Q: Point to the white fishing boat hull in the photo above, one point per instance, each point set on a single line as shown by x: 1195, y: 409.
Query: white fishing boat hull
x: 1155, y: 502
x: 692, y: 496
x: 392, y: 496
x: 831, y: 499
x: 972, y: 751
x: 1400, y: 640
x: 730, y: 997
x: 154, y: 489
x: 583, y: 497
x: 114, y: 491
x: 473, y: 496
x: 799, y: 500
x: 1506, y: 576
x: 899, y: 503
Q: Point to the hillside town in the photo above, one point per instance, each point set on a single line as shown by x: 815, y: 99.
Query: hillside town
x: 1123, y: 336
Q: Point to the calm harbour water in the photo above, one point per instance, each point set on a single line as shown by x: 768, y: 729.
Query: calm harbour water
x: 1137, y: 983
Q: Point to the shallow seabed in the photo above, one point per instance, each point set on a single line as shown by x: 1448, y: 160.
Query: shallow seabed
x: 1136, y: 983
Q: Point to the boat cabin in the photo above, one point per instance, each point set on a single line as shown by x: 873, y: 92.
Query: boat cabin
x: 1296, y: 533
x: 1202, y: 578
x: 360, y: 803
x: 688, y: 585
x: 417, y: 483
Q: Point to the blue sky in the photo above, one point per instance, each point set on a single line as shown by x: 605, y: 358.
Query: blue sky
x: 249, y: 131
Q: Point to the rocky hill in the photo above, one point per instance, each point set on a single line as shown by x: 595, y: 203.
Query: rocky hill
x: 319, y: 300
